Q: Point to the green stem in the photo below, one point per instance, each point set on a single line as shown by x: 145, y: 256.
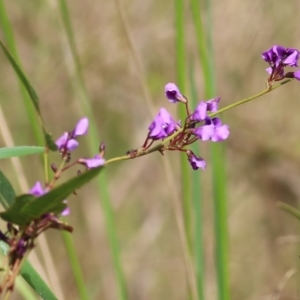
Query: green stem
x: 93, y: 137
x: 67, y: 238
x: 251, y: 98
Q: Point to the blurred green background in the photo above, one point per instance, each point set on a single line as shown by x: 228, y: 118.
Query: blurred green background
x: 262, y: 151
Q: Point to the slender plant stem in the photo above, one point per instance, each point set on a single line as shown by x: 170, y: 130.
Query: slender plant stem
x: 93, y: 143
x: 67, y: 238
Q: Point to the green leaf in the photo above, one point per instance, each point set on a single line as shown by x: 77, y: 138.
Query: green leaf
x: 31, y: 277
x: 7, y: 193
x: 27, y: 207
x: 8, y: 152
x: 31, y: 92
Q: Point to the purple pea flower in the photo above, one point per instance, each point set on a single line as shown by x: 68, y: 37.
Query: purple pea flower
x: 200, y: 112
x: 195, y: 161
x: 212, y: 104
x: 221, y: 132
x: 162, y: 126
x: 95, y: 162
x: 67, y: 142
x: 37, y: 191
x: 173, y: 93
x: 213, y: 129
x: 279, y: 57
x: 202, y: 108
x: 278, y: 54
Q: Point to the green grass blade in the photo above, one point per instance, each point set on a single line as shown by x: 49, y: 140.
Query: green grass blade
x: 31, y: 92
x: 93, y: 139
x: 10, y: 40
x: 82, y: 289
x: 31, y: 277
x: 218, y: 159
x: 181, y: 72
x: 8, y: 152
x: 197, y: 202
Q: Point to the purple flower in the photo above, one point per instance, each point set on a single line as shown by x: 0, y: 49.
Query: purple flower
x: 278, y: 54
x: 173, y: 94
x: 212, y: 130
x: 67, y: 142
x: 279, y: 57
x: 212, y: 104
x: 162, y: 126
x: 221, y: 132
x: 195, y: 161
x: 200, y: 112
x: 95, y: 162
x: 205, y: 131
x: 202, y: 108
x: 37, y: 190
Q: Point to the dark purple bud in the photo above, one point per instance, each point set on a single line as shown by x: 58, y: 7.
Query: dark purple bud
x: 102, y: 149
x: 54, y: 167
x: 195, y: 161
x: 295, y: 75
x: 173, y: 94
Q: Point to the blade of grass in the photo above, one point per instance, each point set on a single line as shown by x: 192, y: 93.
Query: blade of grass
x: 180, y: 74
x: 31, y: 92
x: 93, y: 143
x: 185, y: 171
x: 218, y: 158
x: 34, y: 124
x: 69, y: 245
x: 197, y: 203
x: 176, y: 203
x: 10, y: 40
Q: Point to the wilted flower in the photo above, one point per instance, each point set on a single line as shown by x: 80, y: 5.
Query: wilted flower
x: 162, y: 126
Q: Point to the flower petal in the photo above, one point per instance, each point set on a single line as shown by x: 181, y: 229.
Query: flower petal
x: 37, y: 190
x: 81, y: 127
x: 173, y: 93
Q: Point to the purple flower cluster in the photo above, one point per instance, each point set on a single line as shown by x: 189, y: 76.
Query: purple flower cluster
x: 68, y: 142
x: 198, y: 126
x: 278, y: 58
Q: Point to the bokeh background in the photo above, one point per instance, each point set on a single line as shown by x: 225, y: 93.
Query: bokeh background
x: 262, y: 153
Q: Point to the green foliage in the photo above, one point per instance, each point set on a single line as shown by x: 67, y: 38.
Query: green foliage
x: 7, y: 193
x: 27, y: 207
x: 31, y: 92
x: 8, y: 152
